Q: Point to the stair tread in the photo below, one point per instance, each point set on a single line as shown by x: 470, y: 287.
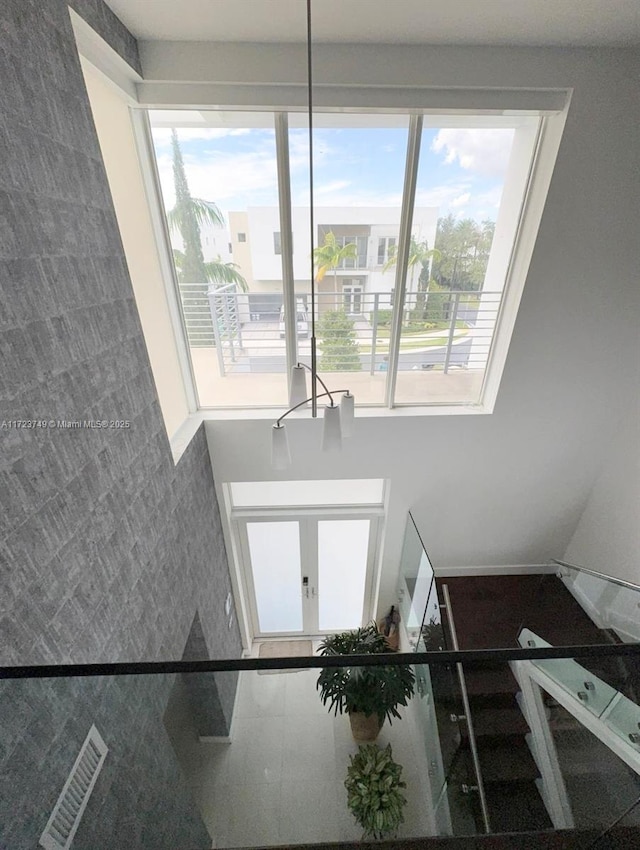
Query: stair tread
x: 499, y: 721
x: 516, y: 807
x: 506, y: 758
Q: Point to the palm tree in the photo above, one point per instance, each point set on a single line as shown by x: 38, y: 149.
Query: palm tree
x: 420, y: 255
x: 329, y: 255
x: 187, y: 216
x: 216, y: 271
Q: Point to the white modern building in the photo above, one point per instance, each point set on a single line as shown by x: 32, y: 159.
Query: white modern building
x: 252, y: 240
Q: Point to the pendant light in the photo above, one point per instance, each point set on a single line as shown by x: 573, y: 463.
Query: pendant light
x: 338, y: 419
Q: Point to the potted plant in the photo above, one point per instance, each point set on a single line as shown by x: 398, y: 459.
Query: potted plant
x: 373, y: 791
x: 367, y: 694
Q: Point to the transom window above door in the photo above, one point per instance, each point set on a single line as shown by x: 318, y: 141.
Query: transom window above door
x: 330, y: 493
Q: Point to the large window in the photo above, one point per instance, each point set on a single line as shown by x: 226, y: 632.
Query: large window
x: 219, y: 180
x: 417, y: 226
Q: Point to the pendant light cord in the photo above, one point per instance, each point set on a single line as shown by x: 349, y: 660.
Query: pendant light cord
x: 314, y: 399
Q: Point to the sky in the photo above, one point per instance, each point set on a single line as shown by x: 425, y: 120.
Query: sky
x: 461, y: 170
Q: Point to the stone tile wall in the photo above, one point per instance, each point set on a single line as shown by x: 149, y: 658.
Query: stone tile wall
x: 107, y: 549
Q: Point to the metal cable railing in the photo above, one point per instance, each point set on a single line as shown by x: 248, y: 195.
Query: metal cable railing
x: 441, y: 331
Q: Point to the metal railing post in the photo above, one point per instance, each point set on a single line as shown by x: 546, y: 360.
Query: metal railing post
x: 227, y: 323
x: 452, y: 330
x: 467, y: 715
x: 213, y: 307
x: 237, y: 310
x: 374, y: 330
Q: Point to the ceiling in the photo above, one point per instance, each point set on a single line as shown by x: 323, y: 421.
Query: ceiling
x: 490, y: 22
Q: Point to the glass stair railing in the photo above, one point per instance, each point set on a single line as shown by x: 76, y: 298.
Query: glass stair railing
x: 494, y: 745
x: 492, y: 740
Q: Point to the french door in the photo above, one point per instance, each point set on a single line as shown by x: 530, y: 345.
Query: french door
x: 308, y: 575
x: 352, y: 296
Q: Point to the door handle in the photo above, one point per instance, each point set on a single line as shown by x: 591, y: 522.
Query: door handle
x: 313, y: 593
x: 305, y: 584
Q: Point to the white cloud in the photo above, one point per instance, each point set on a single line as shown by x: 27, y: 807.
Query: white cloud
x: 441, y: 196
x: 461, y: 200
x: 225, y: 176
x: 485, y: 151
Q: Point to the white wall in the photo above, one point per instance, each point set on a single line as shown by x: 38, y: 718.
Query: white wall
x: 509, y: 487
x: 117, y: 144
x: 607, y: 537
x: 384, y: 221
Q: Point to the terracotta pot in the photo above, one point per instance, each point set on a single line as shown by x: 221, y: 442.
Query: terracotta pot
x: 365, y: 728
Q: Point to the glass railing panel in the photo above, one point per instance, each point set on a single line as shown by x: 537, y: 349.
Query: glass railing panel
x: 622, y: 717
x: 561, y: 610
x: 593, y: 692
x: 599, y: 784
x: 416, y: 581
x: 256, y: 758
x: 611, y: 603
x: 546, y: 760
x: 432, y: 633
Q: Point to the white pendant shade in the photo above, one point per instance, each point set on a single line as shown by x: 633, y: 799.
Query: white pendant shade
x: 347, y: 411
x: 331, y: 431
x: 298, y: 392
x: 280, y: 456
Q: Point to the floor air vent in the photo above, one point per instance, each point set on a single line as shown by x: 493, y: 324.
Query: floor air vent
x: 67, y: 813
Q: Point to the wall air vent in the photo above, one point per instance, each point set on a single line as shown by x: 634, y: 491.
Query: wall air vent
x: 67, y: 813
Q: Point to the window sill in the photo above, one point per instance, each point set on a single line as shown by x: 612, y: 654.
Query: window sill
x: 270, y: 414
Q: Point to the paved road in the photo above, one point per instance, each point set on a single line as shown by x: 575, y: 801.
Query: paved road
x: 263, y: 337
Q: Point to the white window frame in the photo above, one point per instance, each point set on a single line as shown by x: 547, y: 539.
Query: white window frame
x: 550, y: 105
x: 386, y: 243
x: 368, y: 96
x: 351, y: 291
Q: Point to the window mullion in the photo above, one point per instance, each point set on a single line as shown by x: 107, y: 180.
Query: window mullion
x: 286, y: 241
x: 404, y: 241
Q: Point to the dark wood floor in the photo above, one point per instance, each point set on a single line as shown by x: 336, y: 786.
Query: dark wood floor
x: 620, y: 838
x: 489, y: 611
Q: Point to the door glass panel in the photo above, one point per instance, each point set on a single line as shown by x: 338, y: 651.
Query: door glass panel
x: 274, y: 548
x: 342, y: 567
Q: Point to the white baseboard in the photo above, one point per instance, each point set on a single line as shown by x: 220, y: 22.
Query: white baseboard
x: 499, y: 570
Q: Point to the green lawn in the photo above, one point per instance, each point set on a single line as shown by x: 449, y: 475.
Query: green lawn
x: 411, y: 341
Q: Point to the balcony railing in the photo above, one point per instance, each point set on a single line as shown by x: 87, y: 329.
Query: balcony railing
x: 243, y: 753
x: 240, y: 336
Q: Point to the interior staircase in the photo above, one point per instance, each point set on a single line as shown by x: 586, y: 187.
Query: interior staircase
x: 489, y: 612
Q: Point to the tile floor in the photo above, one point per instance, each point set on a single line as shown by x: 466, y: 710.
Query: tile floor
x: 281, y: 779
